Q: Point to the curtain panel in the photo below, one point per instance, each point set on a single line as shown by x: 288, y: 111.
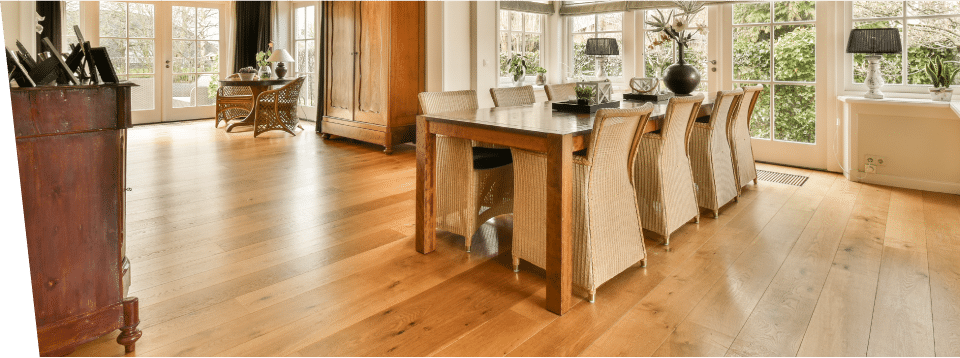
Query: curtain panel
x: 570, y: 8
x: 253, y: 32
x: 528, y: 6
x: 50, y: 10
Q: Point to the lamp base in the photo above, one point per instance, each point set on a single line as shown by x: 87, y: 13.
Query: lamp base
x: 280, y: 71
x: 874, y: 79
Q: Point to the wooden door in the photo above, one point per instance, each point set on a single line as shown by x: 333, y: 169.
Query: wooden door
x: 373, y: 65
x: 340, y: 68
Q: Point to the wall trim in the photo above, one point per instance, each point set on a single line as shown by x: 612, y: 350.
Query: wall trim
x: 904, y: 182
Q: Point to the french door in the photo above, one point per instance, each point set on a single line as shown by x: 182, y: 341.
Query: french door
x: 783, y: 45
x: 170, y: 49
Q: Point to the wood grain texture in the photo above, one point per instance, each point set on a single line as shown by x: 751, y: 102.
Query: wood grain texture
x: 320, y: 258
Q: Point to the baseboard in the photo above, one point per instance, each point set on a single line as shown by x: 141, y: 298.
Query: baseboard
x: 908, y: 183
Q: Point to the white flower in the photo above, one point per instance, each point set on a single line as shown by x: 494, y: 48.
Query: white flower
x: 679, y: 25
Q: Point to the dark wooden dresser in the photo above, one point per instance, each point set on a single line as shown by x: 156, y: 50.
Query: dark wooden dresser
x: 71, y: 148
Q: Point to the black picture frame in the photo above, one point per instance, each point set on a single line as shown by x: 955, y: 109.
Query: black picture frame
x: 65, y: 70
x: 16, y: 72
x: 107, y: 72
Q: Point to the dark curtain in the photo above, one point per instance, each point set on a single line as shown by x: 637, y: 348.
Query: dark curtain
x: 253, y: 32
x: 322, y: 54
x: 50, y: 10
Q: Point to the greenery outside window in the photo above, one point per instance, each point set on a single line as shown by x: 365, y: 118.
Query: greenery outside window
x: 520, y: 33
x: 932, y: 30
x: 608, y: 25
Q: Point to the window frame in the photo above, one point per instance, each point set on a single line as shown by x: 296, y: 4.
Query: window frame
x: 904, y: 88
x: 531, y: 76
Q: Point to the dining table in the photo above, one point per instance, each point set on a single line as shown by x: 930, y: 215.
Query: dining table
x: 536, y: 127
x: 257, y: 86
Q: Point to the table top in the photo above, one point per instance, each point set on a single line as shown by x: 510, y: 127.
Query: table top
x: 258, y: 82
x: 540, y: 118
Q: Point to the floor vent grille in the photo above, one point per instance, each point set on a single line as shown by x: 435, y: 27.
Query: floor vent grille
x: 782, y: 178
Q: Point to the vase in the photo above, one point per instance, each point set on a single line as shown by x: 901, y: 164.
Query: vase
x: 264, y: 72
x: 680, y: 77
x: 541, y: 79
x: 519, y: 77
x: 941, y: 94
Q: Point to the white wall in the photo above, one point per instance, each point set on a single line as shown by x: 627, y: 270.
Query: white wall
x: 11, y: 23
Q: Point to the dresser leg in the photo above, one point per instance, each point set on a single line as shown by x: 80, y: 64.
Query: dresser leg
x: 325, y: 136
x: 387, y: 150
x: 129, y: 334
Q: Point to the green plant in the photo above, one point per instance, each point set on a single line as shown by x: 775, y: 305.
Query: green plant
x: 940, y: 76
x: 584, y: 92
x: 517, y: 66
x: 539, y: 69
x: 262, y: 57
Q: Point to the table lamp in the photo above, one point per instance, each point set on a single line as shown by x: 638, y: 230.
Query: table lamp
x: 874, y: 42
x: 602, y: 47
x: 280, y: 56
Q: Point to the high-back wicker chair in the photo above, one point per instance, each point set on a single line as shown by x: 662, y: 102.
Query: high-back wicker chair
x: 277, y: 109
x: 665, y: 193
x: 512, y: 96
x: 474, y: 184
x: 739, y: 132
x: 233, y: 102
x: 710, y: 156
x: 560, y: 92
x: 607, y: 235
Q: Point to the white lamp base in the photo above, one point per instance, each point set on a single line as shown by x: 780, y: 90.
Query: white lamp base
x: 874, y: 79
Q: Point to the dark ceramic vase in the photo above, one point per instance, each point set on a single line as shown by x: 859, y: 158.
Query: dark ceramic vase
x: 681, y: 78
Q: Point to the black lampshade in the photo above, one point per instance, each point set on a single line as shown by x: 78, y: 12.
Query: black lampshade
x: 874, y: 41
x: 602, y: 47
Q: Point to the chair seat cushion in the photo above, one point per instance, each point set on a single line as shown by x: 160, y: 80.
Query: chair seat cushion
x: 488, y: 158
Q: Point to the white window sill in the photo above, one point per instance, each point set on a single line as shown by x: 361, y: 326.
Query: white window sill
x: 920, y: 102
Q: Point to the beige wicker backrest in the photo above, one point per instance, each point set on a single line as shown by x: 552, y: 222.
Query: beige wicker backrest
x: 233, y: 76
x: 512, y: 96
x: 450, y: 101
x: 745, y: 111
x: 615, y: 139
x: 560, y: 92
x: 725, y: 107
x: 679, y: 118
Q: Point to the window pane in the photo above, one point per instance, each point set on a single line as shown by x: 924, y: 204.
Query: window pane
x: 141, y: 20
x: 584, y: 23
x: 928, y: 39
x: 751, y: 53
x: 311, y: 57
x: 794, y: 52
x: 184, y: 90
x: 532, y: 50
x: 532, y: 22
x: 300, y: 55
x: 891, y: 64
x: 583, y: 65
x: 113, y: 19
x: 71, y: 17
x: 915, y: 8
x: 696, y: 55
x: 610, y: 22
x: 208, y: 24
x: 311, y: 31
x: 614, y: 64
x: 785, y: 11
x: 142, y: 96
x: 760, y: 120
x: 795, y: 115
x: 206, y: 90
x: 504, y: 51
x: 751, y: 13
x: 141, y: 56
x: 184, y: 22
x: 184, y: 56
x: 298, y: 22
x: 208, y: 60
x: 117, y: 50
x: 656, y: 57
x: 516, y: 22
x: 871, y: 9
x: 504, y: 20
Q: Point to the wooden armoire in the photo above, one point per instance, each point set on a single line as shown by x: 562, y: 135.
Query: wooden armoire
x: 374, y: 69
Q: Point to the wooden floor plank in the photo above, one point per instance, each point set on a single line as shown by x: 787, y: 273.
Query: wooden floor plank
x: 942, y: 220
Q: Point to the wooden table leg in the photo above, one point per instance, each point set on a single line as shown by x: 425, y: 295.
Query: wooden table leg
x: 252, y: 117
x: 559, y: 215
x: 426, y: 187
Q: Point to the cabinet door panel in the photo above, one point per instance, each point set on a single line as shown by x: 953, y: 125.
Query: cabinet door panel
x: 340, y: 72
x: 374, y: 62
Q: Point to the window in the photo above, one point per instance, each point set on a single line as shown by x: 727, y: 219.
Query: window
x: 196, y: 56
x: 656, y: 58
x: 127, y: 32
x: 932, y: 30
x: 305, y: 45
x: 71, y: 18
x: 774, y: 44
x: 520, y: 33
x: 608, y: 25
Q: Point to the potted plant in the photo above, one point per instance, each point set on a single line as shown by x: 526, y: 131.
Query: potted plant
x: 541, y: 75
x: 518, y: 67
x: 941, y: 77
x: 265, y: 70
x: 584, y: 95
x: 247, y: 73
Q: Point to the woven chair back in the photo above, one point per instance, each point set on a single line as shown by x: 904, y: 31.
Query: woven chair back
x: 678, y: 121
x: 725, y: 108
x: 745, y: 111
x: 512, y: 96
x: 615, y: 140
x: 450, y: 101
x: 561, y: 92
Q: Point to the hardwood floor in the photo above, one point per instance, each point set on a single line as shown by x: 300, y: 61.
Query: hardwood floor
x: 296, y: 246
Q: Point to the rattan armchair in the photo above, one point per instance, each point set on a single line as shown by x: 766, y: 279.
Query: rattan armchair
x: 607, y: 234
x: 474, y: 184
x: 512, y: 96
x: 277, y: 109
x: 560, y: 92
x: 710, y: 156
x: 739, y: 133
x: 665, y: 193
x: 233, y: 102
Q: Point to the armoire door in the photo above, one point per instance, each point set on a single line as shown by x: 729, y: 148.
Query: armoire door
x: 373, y: 65
x: 340, y: 71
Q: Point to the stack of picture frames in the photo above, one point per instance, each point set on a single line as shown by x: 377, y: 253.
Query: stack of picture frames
x: 83, y: 65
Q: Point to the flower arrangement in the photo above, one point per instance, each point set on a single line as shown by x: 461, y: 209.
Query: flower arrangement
x: 518, y: 67
x: 676, y: 26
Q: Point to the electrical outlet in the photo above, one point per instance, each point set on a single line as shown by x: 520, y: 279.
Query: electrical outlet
x: 875, y: 160
x: 870, y: 168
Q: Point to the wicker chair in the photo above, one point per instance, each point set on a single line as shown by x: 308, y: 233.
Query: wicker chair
x: 474, y: 184
x: 512, y: 96
x: 710, y: 156
x: 607, y: 235
x: 560, y: 92
x: 665, y: 193
x: 233, y: 102
x: 739, y: 133
x: 277, y: 109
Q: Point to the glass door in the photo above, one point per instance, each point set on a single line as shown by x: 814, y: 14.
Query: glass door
x: 128, y: 31
x: 305, y: 18
x: 192, y: 60
x: 774, y: 44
